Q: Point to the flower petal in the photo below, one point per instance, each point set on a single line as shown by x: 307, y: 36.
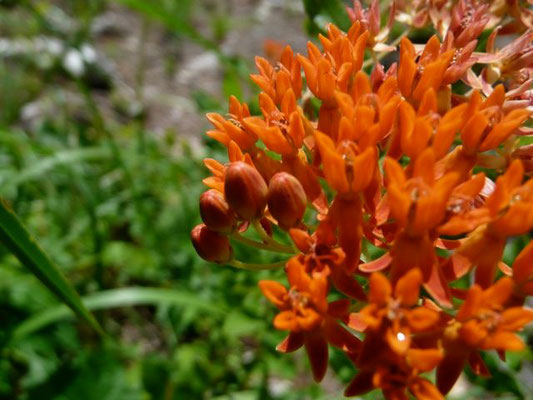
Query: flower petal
x: 408, y: 287
x: 292, y: 342
x: 380, y: 289
x: 424, y: 359
x: 361, y: 384
x: 317, y: 351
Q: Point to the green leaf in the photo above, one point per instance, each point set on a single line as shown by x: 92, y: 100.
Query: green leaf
x: 124, y: 297
x: 19, y: 241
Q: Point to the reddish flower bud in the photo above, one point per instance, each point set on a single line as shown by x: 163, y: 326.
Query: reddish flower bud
x: 211, y: 245
x: 215, y: 212
x: 246, y: 191
x: 286, y: 200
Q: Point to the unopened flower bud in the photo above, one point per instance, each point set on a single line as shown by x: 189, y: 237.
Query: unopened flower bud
x: 215, y: 212
x: 210, y: 245
x: 246, y: 191
x: 286, y: 200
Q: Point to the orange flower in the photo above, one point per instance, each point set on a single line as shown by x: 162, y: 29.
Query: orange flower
x: 394, y: 378
x: 394, y: 313
x: 483, y: 323
x: 305, y: 312
x: 276, y: 81
x: 510, y: 213
x: 418, y: 205
x: 346, y: 168
x: 232, y: 129
x: 388, y: 359
x: 415, y: 78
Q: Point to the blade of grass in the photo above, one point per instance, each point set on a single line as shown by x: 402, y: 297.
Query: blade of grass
x: 43, y: 166
x: 113, y: 298
x: 20, y: 242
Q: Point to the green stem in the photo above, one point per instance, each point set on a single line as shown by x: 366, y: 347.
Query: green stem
x: 259, y: 245
x: 100, y: 126
x: 266, y: 238
x: 256, y: 267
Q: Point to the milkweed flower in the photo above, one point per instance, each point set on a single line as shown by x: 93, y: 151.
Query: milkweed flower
x: 347, y: 155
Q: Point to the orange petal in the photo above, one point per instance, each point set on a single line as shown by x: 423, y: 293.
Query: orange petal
x: 364, y: 166
x: 496, y: 98
x: 361, y: 384
x: 398, y: 340
x: 376, y: 265
x: 503, y: 341
x: 275, y: 292
x: 425, y: 166
x: 317, y: 351
x: 504, y: 129
x: 380, y: 289
x: 472, y: 303
x: 424, y: 359
x: 496, y: 295
x: 286, y: 321
x: 423, y: 389
x: 428, y: 103
x: 361, y: 86
x: 271, y: 136
x: 406, y: 67
x: 449, y: 369
x: 523, y: 265
x: 459, y: 224
x: 515, y: 318
x: 334, y: 166
x: 301, y: 239
x: 359, y: 50
x: 292, y: 342
x: 449, y: 125
x: 473, y: 333
x: 516, y: 221
x: 432, y: 75
x: 296, y: 275
x: 356, y: 322
x: 473, y: 130
x: 308, y: 319
x: 407, y: 288
x: 394, y: 172
x: 437, y: 286
x: 422, y: 318
x: 472, y: 187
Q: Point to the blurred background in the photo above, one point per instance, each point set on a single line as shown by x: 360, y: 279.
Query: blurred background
x: 102, y: 126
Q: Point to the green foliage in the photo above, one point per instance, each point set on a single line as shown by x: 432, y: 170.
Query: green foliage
x: 334, y: 10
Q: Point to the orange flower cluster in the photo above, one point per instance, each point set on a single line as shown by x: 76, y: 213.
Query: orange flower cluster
x: 344, y: 163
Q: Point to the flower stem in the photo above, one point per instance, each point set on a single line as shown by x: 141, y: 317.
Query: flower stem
x: 268, y: 240
x: 256, y: 267
x: 259, y: 245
